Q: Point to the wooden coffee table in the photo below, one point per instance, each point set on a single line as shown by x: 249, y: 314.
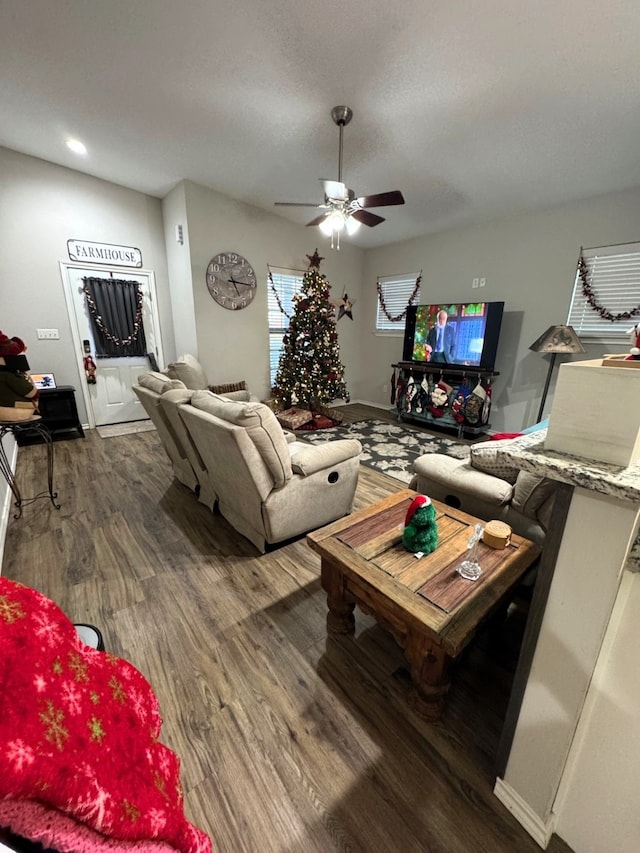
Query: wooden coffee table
x: 429, y: 609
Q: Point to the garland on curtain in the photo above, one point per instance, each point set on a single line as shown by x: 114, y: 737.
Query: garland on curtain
x: 590, y: 297
x: 398, y: 317
x: 275, y: 293
x: 137, y: 323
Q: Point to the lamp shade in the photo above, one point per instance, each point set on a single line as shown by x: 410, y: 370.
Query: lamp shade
x: 558, y: 339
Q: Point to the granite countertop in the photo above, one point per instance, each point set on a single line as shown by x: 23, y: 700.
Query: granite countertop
x: 529, y: 454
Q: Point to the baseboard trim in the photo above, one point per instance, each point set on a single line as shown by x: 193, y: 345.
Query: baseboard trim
x: 540, y: 831
x: 369, y: 403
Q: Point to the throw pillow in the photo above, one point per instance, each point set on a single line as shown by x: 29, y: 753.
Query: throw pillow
x: 484, y: 457
x: 228, y: 388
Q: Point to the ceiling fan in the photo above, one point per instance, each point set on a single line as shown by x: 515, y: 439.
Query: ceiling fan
x: 341, y: 208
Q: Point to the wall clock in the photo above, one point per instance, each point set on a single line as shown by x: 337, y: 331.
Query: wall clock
x: 231, y: 280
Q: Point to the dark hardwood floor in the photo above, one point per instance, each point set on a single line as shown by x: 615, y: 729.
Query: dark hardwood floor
x: 289, y: 743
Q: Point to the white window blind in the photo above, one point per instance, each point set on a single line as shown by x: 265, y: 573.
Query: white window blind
x: 286, y: 283
x: 396, y: 292
x: 613, y: 280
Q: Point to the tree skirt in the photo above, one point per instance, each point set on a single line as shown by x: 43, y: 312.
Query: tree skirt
x: 389, y: 448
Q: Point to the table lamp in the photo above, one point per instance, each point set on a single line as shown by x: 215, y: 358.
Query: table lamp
x: 557, y: 339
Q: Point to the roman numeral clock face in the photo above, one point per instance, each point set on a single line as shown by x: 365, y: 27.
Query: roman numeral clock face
x: 231, y: 280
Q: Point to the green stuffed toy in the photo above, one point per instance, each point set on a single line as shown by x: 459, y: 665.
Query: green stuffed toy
x: 420, y: 530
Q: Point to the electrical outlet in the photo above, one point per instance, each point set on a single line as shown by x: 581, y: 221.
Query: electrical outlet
x: 474, y: 283
x: 48, y: 334
x: 385, y: 389
x: 483, y: 281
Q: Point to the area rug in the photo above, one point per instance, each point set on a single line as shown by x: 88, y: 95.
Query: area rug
x: 390, y: 448
x: 113, y: 430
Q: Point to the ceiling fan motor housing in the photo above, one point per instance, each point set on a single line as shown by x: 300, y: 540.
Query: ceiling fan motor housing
x: 341, y: 115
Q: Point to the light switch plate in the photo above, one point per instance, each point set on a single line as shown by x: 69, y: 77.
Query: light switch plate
x: 48, y: 334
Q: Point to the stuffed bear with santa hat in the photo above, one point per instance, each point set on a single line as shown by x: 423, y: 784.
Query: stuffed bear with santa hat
x: 18, y: 394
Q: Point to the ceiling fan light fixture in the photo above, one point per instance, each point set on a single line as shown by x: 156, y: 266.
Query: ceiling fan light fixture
x: 333, y: 223
x: 352, y: 225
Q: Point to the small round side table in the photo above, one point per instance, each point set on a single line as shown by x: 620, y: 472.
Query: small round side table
x: 33, y: 424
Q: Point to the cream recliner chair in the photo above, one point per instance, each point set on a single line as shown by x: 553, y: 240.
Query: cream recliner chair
x: 149, y: 390
x: 268, y: 488
x: 486, y: 487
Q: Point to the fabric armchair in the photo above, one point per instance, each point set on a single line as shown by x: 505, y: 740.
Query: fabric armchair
x: 149, y: 390
x: 485, y: 486
x: 267, y: 487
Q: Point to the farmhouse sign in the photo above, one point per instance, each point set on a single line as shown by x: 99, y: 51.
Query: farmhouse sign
x: 104, y: 253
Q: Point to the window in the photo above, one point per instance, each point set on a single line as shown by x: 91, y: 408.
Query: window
x: 611, y: 278
x: 286, y: 284
x: 395, y: 293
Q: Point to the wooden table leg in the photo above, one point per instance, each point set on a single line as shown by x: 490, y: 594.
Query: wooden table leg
x: 340, y: 618
x: 429, y: 666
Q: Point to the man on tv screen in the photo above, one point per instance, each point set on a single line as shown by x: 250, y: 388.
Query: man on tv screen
x: 442, y: 339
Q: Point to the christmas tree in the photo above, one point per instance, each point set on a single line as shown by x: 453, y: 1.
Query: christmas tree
x: 310, y: 371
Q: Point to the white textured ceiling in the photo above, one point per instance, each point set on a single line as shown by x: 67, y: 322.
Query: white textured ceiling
x: 472, y: 109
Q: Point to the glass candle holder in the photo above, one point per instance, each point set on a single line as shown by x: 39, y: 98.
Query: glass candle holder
x: 470, y: 568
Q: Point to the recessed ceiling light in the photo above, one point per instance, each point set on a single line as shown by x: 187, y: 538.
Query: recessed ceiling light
x: 76, y: 146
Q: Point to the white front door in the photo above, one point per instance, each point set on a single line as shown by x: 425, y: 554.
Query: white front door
x: 111, y: 400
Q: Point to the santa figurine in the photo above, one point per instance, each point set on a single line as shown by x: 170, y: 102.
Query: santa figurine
x: 634, y: 352
x: 420, y: 533
x: 18, y: 394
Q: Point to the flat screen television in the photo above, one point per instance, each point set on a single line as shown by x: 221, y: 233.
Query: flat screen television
x: 468, y: 338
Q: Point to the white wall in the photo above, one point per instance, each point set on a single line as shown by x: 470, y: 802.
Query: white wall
x: 234, y: 345
x: 174, y: 213
x: 597, y: 805
x: 529, y: 261
x: 41, y: 207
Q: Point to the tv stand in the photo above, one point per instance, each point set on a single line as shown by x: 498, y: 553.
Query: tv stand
x: 454, y: 375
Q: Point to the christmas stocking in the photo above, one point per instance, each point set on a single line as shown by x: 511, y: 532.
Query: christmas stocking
x: 486, y: 406
x: 409, y: 393
x: 472, y: 409
x: 422, y: 396
x: 457, y: 407
x: 439, y: 399
x: 399, y: 391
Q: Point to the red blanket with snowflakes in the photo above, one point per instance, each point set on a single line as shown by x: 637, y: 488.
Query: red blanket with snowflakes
x: 79, y: 731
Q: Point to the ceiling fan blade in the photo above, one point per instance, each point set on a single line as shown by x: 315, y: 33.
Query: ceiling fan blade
x: 296, y: 204
x: 335, y: 190
x: 367, y: 218
x: 317, y: 220
x: 382, y: 199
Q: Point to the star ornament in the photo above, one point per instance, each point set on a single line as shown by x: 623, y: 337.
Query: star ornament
x: 344, y: 306
x: 314, y: 260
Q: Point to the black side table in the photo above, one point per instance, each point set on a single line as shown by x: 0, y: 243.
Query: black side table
x: 18, y: 428
x: 59, y: 414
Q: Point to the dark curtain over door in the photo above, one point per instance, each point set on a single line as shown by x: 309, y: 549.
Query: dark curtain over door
x: 115, y: 311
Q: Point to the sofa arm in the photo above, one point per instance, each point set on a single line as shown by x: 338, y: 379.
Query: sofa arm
x: 458, y: 476
x: 308, y: 460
